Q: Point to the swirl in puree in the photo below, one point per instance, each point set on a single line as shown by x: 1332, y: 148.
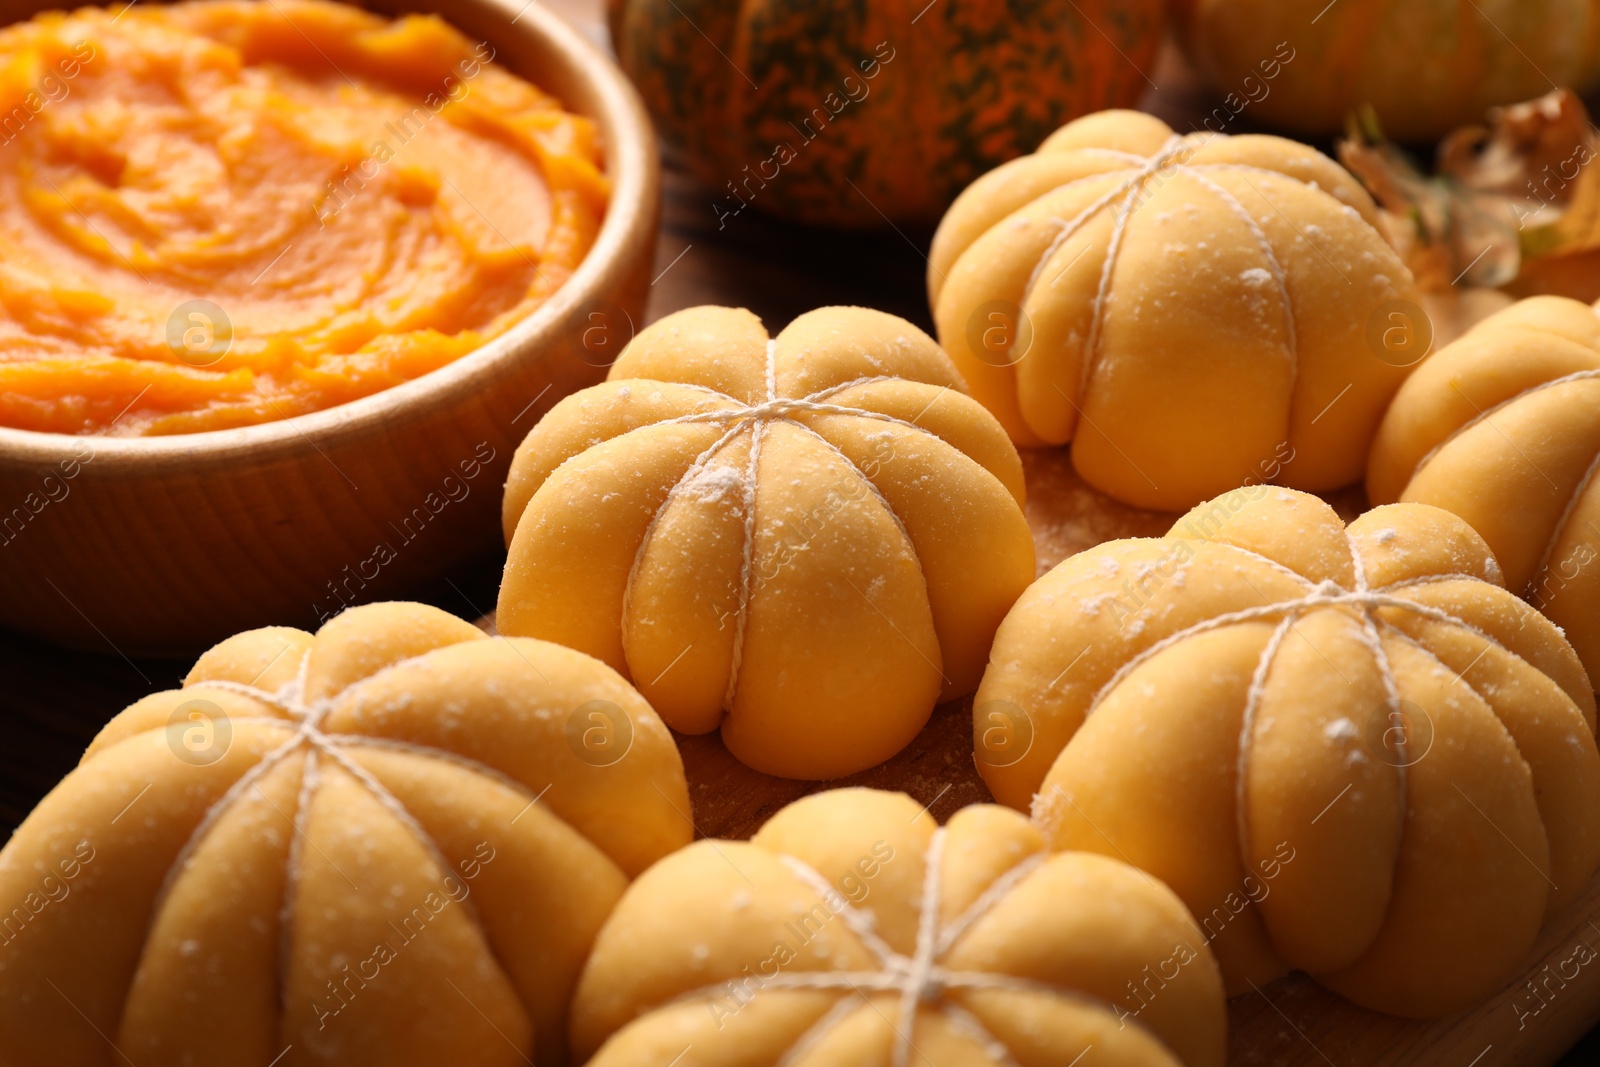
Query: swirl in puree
x: 219, y: 212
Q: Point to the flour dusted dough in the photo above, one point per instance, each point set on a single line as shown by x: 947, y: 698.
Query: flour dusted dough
x: 1503, y: 428
x: 375, y: 845
x: 1190, y: 312
x: 806, y: 541
x: 1350, y: 752
x: 851, y: 929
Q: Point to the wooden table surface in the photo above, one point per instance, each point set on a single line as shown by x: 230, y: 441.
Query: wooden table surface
x: 54, y: 701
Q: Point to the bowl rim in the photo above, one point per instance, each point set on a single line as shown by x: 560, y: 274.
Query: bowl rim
x: 631, y: 168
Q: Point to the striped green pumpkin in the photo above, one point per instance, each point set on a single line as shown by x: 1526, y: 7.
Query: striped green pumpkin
x: 855, y: 112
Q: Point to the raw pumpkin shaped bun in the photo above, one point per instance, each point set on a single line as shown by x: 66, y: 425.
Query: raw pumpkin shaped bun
x: 806, y: 541
x: 853, y: 930
x: 1425, y: 66
x: 1503, y: 428
x: 371, y: 846
x: 1190, y: 312
x: 1350, y: 752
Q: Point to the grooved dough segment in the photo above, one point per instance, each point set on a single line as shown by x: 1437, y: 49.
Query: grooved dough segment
x: 399, y: 854
x: 805, y: 541
x: 1190, y: 313
x: 1502, y: 427
x: 1350, y: 751
x: 852, y: 929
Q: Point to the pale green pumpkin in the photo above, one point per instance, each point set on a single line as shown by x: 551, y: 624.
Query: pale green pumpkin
x: 1425, y: 66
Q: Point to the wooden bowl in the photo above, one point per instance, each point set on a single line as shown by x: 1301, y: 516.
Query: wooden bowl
x: 162, y: 545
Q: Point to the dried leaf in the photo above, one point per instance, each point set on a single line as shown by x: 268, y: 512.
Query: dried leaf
x: 1501, y: 195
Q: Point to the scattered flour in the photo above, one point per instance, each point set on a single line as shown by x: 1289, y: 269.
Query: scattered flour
x: 1341, y: 730
x: 713, y: 484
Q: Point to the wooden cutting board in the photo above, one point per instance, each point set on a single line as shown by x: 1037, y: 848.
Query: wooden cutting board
x: 1291, y: 1023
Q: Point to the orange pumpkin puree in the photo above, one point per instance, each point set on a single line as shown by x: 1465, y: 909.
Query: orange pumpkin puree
x: 225, y: 212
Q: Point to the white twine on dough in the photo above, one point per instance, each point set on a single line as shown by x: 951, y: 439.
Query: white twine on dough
x: 1485, y: 415
x: 919, y: 978
x: 758, y: 431
x: 1578, y: 491
x: 305, y: 719
x: 1280, y: 276
x: 1560, y: 527
x: 1327, y: 594
x: 1070, y: 227
x: 308, y: 717
x: 756, y: 419
x: 1128, y: 193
